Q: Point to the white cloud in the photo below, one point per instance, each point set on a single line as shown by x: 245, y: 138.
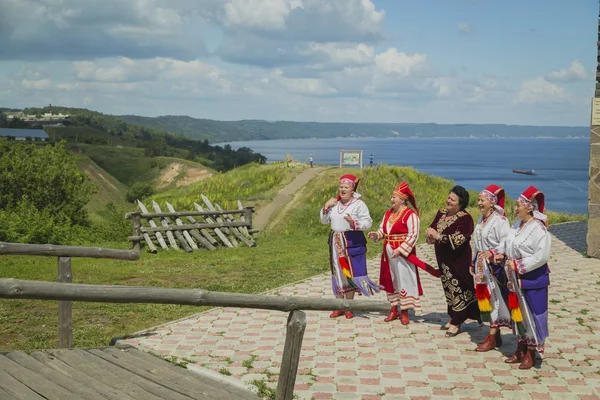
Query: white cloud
x: 393, y: 62
x: 268, y: 15
x: 539, y: 90
x: 575, y: 71
x: 41, y: 84
x: 465, y: 28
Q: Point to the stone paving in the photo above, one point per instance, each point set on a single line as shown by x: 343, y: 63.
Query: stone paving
x: 366, y: 358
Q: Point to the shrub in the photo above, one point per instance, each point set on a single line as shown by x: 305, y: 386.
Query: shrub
x: 43, y: 195
x: 139, y: 190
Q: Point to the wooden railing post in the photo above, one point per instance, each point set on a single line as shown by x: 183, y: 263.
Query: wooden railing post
x: 296, y: 324
x: 137, y: 224
x: 248, y: 216
x: 65, y: 308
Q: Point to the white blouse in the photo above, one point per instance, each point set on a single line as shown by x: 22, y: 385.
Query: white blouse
x: 356, y: 208
x: 489, y: 234
x: 528, y: 246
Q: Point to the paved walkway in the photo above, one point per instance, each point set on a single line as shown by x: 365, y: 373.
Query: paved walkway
x: 366, y: 358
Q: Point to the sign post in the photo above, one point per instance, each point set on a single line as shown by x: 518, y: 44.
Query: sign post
x: 351, y: 158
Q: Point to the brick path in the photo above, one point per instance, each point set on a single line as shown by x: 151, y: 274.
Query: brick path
x: 366, y: 358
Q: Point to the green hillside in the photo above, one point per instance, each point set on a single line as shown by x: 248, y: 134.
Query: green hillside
x: 108, y: 189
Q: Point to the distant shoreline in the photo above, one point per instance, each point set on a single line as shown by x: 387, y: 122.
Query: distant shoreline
x: 357, y: 138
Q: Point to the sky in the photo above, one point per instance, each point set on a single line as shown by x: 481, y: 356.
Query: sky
x: 443, y: 61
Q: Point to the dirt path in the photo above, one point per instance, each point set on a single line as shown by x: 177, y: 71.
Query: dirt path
x: 283, y: 198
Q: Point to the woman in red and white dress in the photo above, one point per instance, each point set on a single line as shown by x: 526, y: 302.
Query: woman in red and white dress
x: 490, y: 279
x: 398, y: 274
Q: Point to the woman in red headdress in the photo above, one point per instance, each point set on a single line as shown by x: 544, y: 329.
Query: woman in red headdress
x: 348, y: 217
x: 490, y: 279
x: 526, y: 251
x: 398, y: 275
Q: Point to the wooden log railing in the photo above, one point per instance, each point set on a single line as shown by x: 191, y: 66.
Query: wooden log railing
x: 296, y: 322
x: 65, y: 273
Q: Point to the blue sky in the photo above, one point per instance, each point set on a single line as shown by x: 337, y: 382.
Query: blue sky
x: 443, y: 61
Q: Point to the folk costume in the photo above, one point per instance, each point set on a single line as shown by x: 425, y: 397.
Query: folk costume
x: 528, y: 246
x: 399, y: 276
x: 453, y: 255
x: 490, y: 279
x: 348, y: 245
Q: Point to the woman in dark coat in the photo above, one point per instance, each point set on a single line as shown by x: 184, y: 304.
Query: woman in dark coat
x: 451, y: 232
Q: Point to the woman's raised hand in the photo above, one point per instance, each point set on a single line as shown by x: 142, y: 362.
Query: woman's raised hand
x: 330, y: 203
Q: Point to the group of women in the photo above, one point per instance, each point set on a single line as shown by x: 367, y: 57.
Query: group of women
x: 504, y: 281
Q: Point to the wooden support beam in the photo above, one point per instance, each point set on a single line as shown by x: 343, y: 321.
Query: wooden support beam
x: 146, y: 214
x: 296, y: 324
x: 65, y: 307
x: 215, y: 226
x: 66, y: 251
x: 24, y: 289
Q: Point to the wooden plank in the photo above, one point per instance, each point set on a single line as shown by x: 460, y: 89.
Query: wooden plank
x: 137, y: 224
x: 6, y: 395
x: 22, y: 289
x: 65, y: 308
x: 205, y: 233
x: 220, y: 234
x: 135, y: 376
x: 291, y: 355
x: 235, y: 230
x: 186, y: 234
x: 67, y: 251
x: 165, y: 224
x: 87, y: 364
x: 159, y: 236
x: 174, y: 228
x: 15, y: 388
x: 109, y: 392
x: 181, y: 393
x: 220, y: 220
x: 38, y: 384
x: 184, y: 377
x: 33, y: 365
x: 177, y: 214
x: 243, y: 229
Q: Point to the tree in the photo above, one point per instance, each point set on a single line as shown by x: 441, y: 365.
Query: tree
x: 47, y: 177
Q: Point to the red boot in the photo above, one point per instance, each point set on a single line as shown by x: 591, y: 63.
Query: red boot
x: 336, y: 314
x: 515, y: 358
x: 528, y: 359
x: 404, y: 317
x: 488, y: 344
x: 349, y: 314
x: 393, y: 314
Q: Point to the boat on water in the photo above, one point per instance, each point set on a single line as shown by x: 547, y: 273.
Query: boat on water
x: 524, y: 171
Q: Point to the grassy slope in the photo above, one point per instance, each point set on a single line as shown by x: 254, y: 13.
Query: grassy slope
x: 129, y: 165
x: 292, y: 250
x: 108, y: 189
x: 253, y: 184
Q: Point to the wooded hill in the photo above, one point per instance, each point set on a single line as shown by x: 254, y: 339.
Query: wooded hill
x: 227, y: 131
x: 94, y: 128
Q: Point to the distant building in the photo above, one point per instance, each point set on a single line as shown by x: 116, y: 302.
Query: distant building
x: 46, y: 117
x: 24, y: 134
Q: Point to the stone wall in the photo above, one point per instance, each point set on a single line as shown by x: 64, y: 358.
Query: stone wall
x: 593, y: 235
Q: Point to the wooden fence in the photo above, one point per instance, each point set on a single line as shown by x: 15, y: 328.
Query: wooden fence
x: 208, y: 227
x: 296, y: 322
x: 65, y: 274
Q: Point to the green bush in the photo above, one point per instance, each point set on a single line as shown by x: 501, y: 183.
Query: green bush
x: 139, y: 190
x: 43, y: 195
